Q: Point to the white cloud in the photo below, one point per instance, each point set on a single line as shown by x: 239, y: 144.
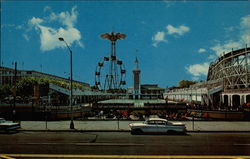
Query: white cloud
x: 198, y: 69
x: 49, y: 38
x: 49, y: 35
x: 7, y: 25
x: 195, y: 78
x: 219, y: 49
x: 245, y: 30
x: 245, y: 22
x: 171, y: 30
x: 26, y: 37
x: 181, y: 30
x: 168, y: 3
x: 47, y: 8
x: 19, y: 27
x: 229, y: 29
x: 65, y: 18
x: 212, y: 57
x: 80, y: 43
x: 158, y: 37
x: 201, y: 50
x: 35, y: 21
x: 237, y: 43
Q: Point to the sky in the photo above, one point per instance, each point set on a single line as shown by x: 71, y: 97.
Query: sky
x: 172, y: 40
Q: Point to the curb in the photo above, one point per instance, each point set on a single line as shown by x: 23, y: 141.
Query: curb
x: 75, y: 130
x: 191, y: 131
x: 219, y: 131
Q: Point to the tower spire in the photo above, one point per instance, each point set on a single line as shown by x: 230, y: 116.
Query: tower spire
x: 137, y: 85
x: 136, y: 64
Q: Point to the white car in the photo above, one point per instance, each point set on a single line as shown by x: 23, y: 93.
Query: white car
x: 8, y: 126
x: 157, y: 125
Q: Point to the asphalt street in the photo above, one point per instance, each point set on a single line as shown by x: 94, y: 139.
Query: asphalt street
x: 123, y: 143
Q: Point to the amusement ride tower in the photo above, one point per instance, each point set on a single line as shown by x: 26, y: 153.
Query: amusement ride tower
x: 111, y: 77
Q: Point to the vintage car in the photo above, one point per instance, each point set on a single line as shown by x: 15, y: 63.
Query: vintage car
x: 157, y: 125
x: 8, y: 126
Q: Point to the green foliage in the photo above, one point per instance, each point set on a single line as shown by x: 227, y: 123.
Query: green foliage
x: 5, y: 91
x: 25, y: 85
x: 185, y: 83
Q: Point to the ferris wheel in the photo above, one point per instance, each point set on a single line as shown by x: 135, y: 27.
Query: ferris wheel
x: 104, y: 79
x: 110, y: 71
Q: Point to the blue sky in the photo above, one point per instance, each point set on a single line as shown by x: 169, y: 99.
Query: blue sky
x: 173, y: 40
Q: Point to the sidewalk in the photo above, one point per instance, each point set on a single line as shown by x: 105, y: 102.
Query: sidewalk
x: 230, y: 126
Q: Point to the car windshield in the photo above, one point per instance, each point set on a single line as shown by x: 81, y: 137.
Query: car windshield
x: 157, y: 122
x: 2, y: 121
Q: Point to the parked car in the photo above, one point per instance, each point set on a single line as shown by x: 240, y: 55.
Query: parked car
x: 157, y: 125
x: 8, y: 126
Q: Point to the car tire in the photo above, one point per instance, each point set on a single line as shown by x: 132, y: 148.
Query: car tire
x: 171, y: 132
x: 136, y: 132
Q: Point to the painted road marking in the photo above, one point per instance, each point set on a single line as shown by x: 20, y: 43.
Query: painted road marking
x: 9, y: 156
x: 86, y: 144
x: 108, y: 144
x: 5, y: 157
x: 242, y: 144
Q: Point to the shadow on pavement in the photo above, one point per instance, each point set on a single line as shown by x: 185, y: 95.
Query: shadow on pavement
x: 8, y: 132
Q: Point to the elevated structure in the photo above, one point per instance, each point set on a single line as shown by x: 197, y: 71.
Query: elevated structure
x: 7, y: 76
x: 113, y: 77
x: 227, y: 86
x: 232, y: 69
x: 84, y: 94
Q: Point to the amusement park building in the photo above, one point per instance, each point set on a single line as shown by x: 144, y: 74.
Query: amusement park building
x: 7, y: 76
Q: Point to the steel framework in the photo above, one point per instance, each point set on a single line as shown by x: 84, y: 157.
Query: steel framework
x: 114, y: 77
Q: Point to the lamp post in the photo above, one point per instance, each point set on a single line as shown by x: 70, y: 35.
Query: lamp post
x: 71, y: 108
x: 14, y: 93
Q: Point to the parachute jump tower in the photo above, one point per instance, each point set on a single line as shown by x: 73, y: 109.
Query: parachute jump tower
x: 110, y: 71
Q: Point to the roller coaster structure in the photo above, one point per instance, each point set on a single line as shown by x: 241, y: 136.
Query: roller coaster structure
x: 232, y: 69
x: 227, y: 86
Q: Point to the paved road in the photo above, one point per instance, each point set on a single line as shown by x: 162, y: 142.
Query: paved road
x: 123, y: 143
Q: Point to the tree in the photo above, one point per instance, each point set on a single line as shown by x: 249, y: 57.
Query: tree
x: 185, y: 83
x: 25, y: 86
x: 5, y: 91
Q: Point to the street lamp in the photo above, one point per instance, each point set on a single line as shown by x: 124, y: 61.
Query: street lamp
x: 71, y: 108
